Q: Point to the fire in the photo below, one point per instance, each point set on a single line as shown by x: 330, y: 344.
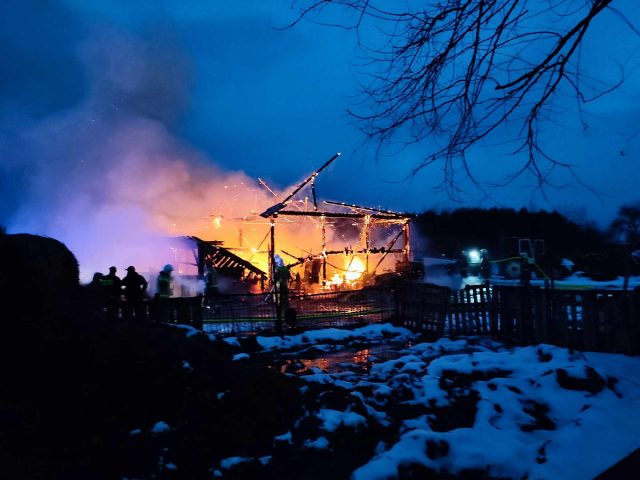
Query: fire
x: 355, y: 268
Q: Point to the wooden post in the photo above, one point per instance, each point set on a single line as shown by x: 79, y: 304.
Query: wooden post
x: 484, y: 305
x: 493, y: 311
x: 572, y: 327
x: 272, y: 251
x: 366, y: 234
x: 324, y: 251
x: 589, y: 323
x: 272, y: 271
x: 407, y: 239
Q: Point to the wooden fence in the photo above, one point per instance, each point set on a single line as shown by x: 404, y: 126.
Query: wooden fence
x: 593, y: 320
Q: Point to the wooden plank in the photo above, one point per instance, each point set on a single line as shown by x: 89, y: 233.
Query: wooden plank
x: 572, y: 326
x: 484, y: 309
x: 494, y: 310
x: 458, y: 314
x: 468, y: 313
x: 589, y: 322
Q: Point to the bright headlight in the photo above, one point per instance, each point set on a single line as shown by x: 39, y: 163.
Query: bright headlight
x: 473, y: 256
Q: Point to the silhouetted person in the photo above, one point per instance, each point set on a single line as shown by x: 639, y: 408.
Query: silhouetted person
x: 95, y: 294
x: 112, y: 286
x: 96, y: 283
x: 135, y: 286
x: 210, y: 281
x: 282, y: 282
x: 282, y: 278
x: 164, y: 287
x: 485, y: 265
x: 164, y: 291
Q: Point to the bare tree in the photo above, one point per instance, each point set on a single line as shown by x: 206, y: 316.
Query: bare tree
x: 456, y: 70
x: 626, y: 227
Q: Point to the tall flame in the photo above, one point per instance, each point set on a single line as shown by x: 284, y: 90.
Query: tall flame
x: 355, y: 269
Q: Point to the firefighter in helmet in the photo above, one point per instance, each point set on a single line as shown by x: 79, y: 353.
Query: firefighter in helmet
x: 164, y: 290
x: 112, y: 286
x: 282, y: 279
x: 164, y: 287
x: 135, y: 286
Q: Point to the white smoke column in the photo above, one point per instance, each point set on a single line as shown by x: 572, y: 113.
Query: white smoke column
x: 110, y: 181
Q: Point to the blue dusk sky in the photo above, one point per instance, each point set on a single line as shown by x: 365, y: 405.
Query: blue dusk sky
x: 225, y: 83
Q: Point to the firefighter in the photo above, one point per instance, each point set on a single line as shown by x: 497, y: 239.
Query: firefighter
x: 282, y: 278
x: 135, y: 286
x: 164, y: 291
x: 210, y: 284
x: 95, y: 294
x: 112, y: 287
x: 485, y: 265
x: 282, y: 282
x: 164, y: 287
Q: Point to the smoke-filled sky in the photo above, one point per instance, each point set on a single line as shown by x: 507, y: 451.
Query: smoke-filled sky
x: 117, y: 115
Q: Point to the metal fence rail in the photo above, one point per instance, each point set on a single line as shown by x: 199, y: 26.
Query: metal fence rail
x: 255, y: 313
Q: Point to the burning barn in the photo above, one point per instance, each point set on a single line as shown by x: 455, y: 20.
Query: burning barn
x: 327, y: 245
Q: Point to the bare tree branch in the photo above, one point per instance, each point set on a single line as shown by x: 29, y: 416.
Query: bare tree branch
x: 453, y: 71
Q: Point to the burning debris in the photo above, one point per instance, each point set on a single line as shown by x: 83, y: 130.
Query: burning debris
x: 340, y: 246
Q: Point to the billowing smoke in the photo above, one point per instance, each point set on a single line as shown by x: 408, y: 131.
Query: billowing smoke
x: 111, y: 180
x: 107, y: 177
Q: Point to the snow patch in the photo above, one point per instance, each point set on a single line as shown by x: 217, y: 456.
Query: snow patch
x: 160, y: 427
x: 227, y: 463
x: 332, y: 419
x: 285, y: 437
x: 319, y: 443
x: 368, y: 333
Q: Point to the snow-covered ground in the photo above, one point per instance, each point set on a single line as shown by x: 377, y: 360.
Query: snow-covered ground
x: 528, y: 423
x: 369, y: 333
x: 538, y: 412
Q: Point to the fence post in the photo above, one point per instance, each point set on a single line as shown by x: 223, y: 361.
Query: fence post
x: 455, y: 314
x: 278, y: 308
x: 589, y: 322
x: 484, y: 303
x: 493, y: 310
